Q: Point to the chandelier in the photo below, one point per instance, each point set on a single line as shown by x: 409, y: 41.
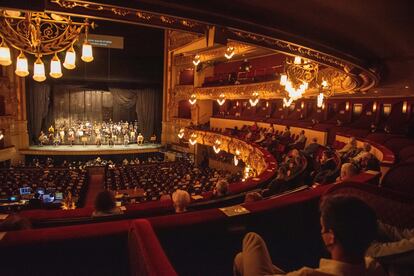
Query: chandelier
x: 42, y: 34
x: 300, y: 74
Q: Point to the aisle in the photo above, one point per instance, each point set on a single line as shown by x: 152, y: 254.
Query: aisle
x: 96, y: 185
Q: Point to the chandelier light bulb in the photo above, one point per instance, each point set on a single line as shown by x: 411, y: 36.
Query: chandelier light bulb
x: 324, y: 84
x: 5, y: 58
x: 39, y: 70
x: 297, y: 60
x: 55, y: 67
x: 22, y: 65
x: 87, y: 55
x: 235, y: 160
x: 193, y: 99
x: 222, y: 99
x: 229, y: 52
x: 181, y: 133
x: 319, y: 101
x: 283, y: 79
x: 70, y: 59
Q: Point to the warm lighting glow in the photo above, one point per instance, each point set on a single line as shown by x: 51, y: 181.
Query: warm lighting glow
x: 302, y: 105
x: 181, y: 133
x: 55, y: 67
x: 347, y: 106
x: 193, y: 139
x: 87, y: 55
x: 374, y: 107
x: 255, y: 100
x: 229, y: 52
x: 267, y: 104
x: 5, y: 58
x: 216, y: 146
x: 196, y: 60
x: 296, y: 93
x: 22, y: 68
x: 319, y: 100
x: 404, y: 107
x: 70, y: 59
x: 324, y: 84
x: 235, y: 160
x: 298, y: 60
x: 39, y: 70
x: 287, y: 103
x: 13, y: 13
x: 193, y: 99
x: 222, y: 99
x: 237, y: 103
x: 246, y: 173
x: 283, y: 79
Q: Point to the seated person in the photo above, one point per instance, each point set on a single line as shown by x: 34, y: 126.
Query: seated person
x: 153, y: 138
x: 312, y: 148
x: 105, y: 205
x: 261, y: 138
x: 181, y: 199
x: 285, y: 137
x: 35, y: 202
x: 276, y: 185
x: 370, y: 163
x: 366, y: 152
x: 252, y: 197
x: 221, y: 188
x: 327, y: 166
x: 348, y: 227
x: 352, y: 145
x: 348, y: 170
x: 300, y: 141
x: 394, y: 248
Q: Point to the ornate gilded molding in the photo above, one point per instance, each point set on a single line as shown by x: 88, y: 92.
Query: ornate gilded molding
x: 125, y: 14
x: 250, y: 155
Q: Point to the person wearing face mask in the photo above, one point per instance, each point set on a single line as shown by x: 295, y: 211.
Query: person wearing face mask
x: 348, y: 226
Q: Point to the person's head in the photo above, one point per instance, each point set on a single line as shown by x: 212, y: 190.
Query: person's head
x: 105, y: 201
x: 366, y: 147
x: 252, y: 196
x: 348, y: 226
x: 326, y: 155
x: 348, y: 170
x: 353, y: 141
x: 281, y: 172
x: 302, y: 132
x: 222, y: 187
x: 287, y: 128
x: 181, y: 199
x: 294, y: 153
x: 314, y: 140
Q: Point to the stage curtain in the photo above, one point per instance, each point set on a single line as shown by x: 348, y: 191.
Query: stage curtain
x: 146, y: 107
x: 124, y: 101
x: 38, y: 108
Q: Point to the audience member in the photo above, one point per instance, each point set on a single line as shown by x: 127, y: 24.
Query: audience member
x: 348, y: 227
x: 366, y: 152
x: 252, y: 197
x: 221, y: 188
x: 327, y: 166
x: 351, y: 146
x: 105, y: 205
x: 181, y: 199
x: 348, y: 170
x: 277, y: 184
x: 312, y: 148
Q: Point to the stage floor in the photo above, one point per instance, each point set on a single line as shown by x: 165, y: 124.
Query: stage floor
x: 90, y: 149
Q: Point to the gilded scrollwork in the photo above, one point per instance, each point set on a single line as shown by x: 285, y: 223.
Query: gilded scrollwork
x: 250, y: 155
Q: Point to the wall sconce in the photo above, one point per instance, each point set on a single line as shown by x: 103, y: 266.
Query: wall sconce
x: 404, y: 107
x: 193, y: 99
x: 255, y: 99
x: 297, y: 60
x: 196, y: 60
x: 302, y: 105
x: 374, y: 107
x: 347, y: 106
x: 216, y: 146
x: 287, y: 103
x: 237, y: 103
x: 229, y: 52
x: 267, y: 104
x: 181, y: 133
x: 222, y: 99
x: 236, y: 158
x: 193, y: 139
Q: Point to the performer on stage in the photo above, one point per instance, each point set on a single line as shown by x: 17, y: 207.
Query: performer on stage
x: 62, y: 135
x: 110, y: 141
x: 126, y: 139
x: 98, y: 139
x: 43, y: 138
x: 56, y: 140
x: 71, y: 136
x: 140, y: 139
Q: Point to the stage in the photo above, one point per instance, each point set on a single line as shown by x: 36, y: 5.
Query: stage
x: 90, y: 149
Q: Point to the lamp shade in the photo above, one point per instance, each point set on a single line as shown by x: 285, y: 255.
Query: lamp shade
x: 5, y: 55
x: 87, y: 55
x: 55, y: 67
x: 22, y: 66
x: 70, y: 59
x: 39, y: 70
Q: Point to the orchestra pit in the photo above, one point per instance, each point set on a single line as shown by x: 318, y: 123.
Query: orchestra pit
x: 206, y: 137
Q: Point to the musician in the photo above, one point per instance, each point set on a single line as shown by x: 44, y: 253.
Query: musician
x: 140, y: 139
x: 62, y: 135
x: 126, y: 139
x: 71, y: 136
x: 43, y: 138
x: 56, y: 140
x: 110, y: 140
x: 98, y: 139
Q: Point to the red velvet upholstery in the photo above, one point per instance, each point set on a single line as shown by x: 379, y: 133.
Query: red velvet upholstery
x: 391, y: 207
x: 406, y: 153
x: 146, y: 256
x: 400, y: 178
